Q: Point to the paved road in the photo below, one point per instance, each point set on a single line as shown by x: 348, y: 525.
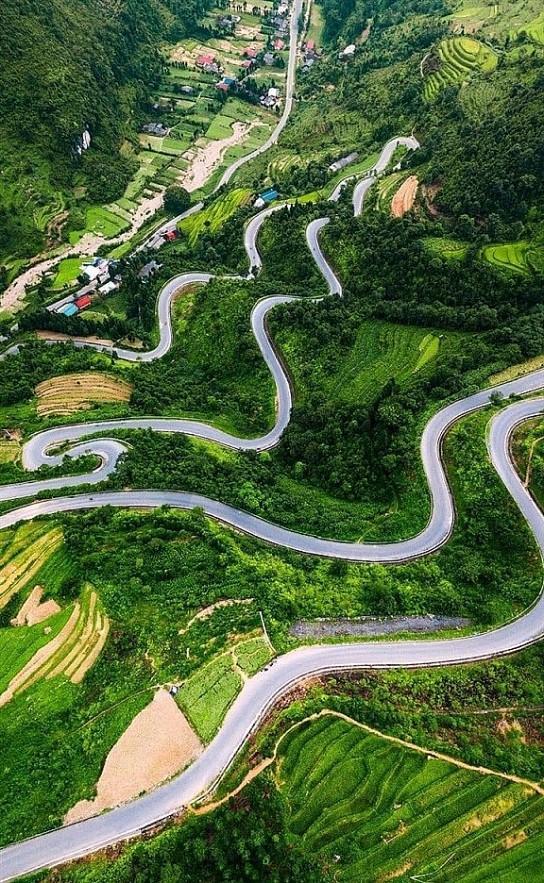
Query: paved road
x: 261, y: 691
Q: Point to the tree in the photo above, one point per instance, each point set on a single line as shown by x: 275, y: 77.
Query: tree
x: 176, y: 200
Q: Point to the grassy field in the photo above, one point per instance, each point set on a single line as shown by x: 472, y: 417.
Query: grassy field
x: 460, y: 58
x: 450, y: 249
x: 315, y: 28
x: 67, y: 272
x: 383, y: 811
x: 215, y: 215
x: 69, y: 393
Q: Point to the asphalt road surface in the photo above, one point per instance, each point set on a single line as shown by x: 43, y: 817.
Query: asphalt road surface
x: 261, y: 691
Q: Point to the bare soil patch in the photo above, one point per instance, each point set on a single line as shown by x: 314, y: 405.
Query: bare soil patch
x: 69, y: 393
x: 404, y: 198
x: 156, y: 745
x: 33, y: 610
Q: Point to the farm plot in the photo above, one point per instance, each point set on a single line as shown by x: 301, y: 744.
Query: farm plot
x: 459, y: 59
x: 252, y: 655
x: 215, y: 215
x: 9, y: 451
x: 515, y: 257
x: 67, y: 272
x: 385, y: 189
x: 69, y: 393
x: 404, y: 198
x: 391, y: 812
x: 381, y: 352
x: 72, y: 651
x: 207, y: 695
x: 23, y: 555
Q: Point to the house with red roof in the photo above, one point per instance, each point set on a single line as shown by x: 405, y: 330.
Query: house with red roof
x: 204, y: 60
x: 250, y: 53
x: 279, y: 45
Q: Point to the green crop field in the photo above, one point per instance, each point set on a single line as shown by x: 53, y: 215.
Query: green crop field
x: 383, y: 811
x: 252, y: 655
x: 100, y: 220
x: 535, y: 29
x: 460, y: 57
x: 516, y: 257
x: 214, y: 215
x: 71, y: 648
x: 386, y: 189
x: 450, y: 249
x: 382, y: 351
x: 207, y: 695
x: 67, y: 272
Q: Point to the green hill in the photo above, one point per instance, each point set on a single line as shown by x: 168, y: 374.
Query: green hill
x: 70, y: 66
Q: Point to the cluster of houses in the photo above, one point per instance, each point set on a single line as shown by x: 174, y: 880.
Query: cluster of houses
x: 310, y: 55
x: 227, y: 22
x: 157, y: 129
x: 100, y: 277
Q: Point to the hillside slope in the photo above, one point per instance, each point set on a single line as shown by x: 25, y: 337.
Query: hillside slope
x: 71, y: 66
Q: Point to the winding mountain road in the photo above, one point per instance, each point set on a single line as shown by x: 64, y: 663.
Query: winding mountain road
x: 262, y: 690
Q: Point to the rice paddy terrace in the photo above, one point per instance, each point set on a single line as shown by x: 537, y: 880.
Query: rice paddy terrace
x: 382, y: 810
x: 516, y: 257
x: 69, y: 641
x: 457, y: 60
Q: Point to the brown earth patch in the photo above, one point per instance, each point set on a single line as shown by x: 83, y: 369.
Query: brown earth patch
x: 514, y: 839
x: 156, y: 745
x: 33, y: 610
x: 404, y: 198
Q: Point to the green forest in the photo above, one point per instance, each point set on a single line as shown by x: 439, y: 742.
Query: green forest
x: 70, y: 67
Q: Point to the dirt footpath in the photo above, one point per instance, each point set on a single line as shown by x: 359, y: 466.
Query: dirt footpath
x: 157, y: 744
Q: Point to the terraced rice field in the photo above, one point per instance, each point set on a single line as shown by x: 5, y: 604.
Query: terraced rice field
x: 215, y: 215
x: 383, y: 811
x: 516, y: 257
x: 71, y: 650
x: 450, y: 249
x: 69, y: 393
x: 23, y: 553
x: 9, y: 451
x: 386, y: 187
x: 381, y: 352
x: 460, y: 58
